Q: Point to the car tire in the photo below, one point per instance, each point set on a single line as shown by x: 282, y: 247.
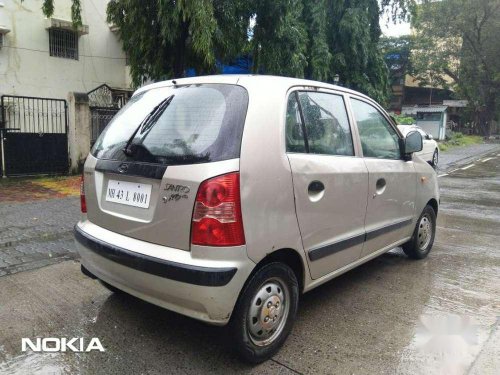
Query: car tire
x: 435, y: 158
x: 265, y: 312
x: 422, y: 240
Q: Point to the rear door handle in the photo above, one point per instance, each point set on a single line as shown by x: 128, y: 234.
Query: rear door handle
x: 380, y: 187
x: 315, y: 187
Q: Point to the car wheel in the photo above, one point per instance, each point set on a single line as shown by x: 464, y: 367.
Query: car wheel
x: 265, y: 312
x: 422, y: 240
x: 435, y: 158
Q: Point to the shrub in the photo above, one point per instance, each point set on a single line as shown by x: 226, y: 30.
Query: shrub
x: 404, y: 120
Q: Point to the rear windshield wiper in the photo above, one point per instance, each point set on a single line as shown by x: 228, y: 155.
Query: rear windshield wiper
x: 145, y: 124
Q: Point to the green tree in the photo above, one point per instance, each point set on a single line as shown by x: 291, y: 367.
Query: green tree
x: 278, y: 40
x: 163, y: 38
x: 396, y: 50
x: 319, y: 55
x: 353, y: 35
x: 456, y: 45
x: 316, y: 39
x: 320, y: 39
x: 76, y: 10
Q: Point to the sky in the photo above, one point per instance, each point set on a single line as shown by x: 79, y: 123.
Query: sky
x: 391, y: 29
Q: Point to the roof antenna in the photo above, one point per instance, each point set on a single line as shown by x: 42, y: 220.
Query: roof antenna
x: 174, y: 82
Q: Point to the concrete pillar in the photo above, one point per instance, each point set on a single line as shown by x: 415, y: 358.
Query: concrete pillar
x: 79, y: 130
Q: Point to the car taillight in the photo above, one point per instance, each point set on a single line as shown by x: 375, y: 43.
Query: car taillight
x: 83, y: 202
x: 217, y: 217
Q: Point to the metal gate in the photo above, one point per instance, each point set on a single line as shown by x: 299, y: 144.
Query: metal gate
x: 104, y: 103
x: 33, y: 135
x: 99, y: 118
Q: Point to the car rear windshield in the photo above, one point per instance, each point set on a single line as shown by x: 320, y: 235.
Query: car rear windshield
x: 177, y: 125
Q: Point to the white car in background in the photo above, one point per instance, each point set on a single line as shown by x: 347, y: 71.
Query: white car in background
x: 430, y: 150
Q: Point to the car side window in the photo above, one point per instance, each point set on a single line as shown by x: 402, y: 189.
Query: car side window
x: 295, y: 141
x: 326, y: 123
x: 378, y: 138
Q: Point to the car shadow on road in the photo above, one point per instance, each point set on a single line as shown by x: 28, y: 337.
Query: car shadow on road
x: 139, y: 336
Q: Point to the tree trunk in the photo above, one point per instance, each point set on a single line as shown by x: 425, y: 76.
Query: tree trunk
x: 487, y: 115
x: 179, y: 61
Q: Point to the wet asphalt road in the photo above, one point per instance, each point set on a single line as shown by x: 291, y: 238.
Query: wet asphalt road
x: 391, y: 315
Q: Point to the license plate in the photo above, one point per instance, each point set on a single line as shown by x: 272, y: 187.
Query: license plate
x: 129, y: 193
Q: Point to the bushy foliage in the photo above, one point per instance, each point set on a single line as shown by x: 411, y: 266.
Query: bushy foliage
x: 403, y: 120
x: 457, y: 46
x: 316, y: 39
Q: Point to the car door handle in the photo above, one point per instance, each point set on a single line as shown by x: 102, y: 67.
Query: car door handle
x: 380, y: 187
x: 315, y: 187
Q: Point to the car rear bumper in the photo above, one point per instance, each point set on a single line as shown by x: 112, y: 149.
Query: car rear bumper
x: 203, y: 289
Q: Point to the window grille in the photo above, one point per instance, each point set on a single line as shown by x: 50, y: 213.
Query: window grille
x: 63, y: 43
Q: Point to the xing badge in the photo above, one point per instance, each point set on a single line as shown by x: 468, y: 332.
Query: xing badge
x: 175, y: 193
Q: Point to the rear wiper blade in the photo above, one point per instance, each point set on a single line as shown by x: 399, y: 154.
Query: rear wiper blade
x: 150, y: 119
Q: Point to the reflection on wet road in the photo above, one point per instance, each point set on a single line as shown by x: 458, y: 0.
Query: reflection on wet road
x: 391, y: 315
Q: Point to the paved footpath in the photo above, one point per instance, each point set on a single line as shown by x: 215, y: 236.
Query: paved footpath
x: 36, y: 222
x: 36, y: 234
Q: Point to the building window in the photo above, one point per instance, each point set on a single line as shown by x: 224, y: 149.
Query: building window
x: 63, y: 43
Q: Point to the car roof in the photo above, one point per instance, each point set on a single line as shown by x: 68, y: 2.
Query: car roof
x: 249, y: 80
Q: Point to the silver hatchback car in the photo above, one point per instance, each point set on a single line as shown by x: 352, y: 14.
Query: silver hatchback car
x: 224, y: 198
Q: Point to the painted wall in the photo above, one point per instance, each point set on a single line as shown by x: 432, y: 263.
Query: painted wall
x: 26, y: 68
x: 431, y: 127
x: 435, y: 128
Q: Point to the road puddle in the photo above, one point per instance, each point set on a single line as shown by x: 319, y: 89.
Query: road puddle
x: 37, y: 363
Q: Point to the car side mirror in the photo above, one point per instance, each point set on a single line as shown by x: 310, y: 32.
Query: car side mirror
x: 413, y: 142
x: 428, y: 136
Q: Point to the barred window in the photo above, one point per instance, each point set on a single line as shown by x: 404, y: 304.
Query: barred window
x: 63, y: 43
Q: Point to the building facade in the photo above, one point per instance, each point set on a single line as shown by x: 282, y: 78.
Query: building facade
x: 48, y: 58
x: 43, y: 63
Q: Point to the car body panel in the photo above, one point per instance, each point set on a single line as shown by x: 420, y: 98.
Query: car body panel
x: 266, y: 185
x: 185, y: 298
x: 167, y: 221
x: 426, y: 185
x: 334, y: 216
x: 390, y: 213
x: 274, y: 202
